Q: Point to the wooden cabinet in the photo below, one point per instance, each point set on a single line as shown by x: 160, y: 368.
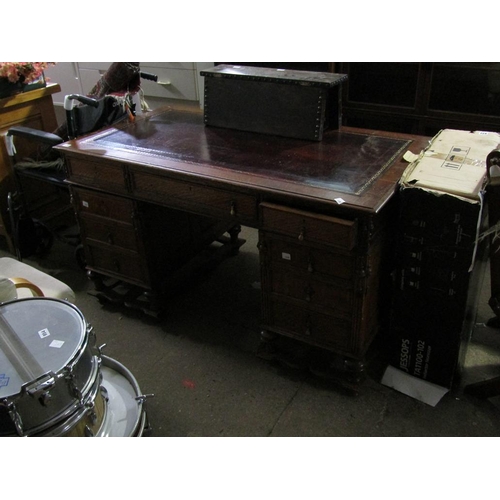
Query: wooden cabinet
x: 31, y: 109
x: 145, y: 245
x: 318, y: 277
x: 421, y: 98
x: 110, y: 232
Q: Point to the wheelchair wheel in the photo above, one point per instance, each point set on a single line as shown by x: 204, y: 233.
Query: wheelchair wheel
x: 33, y: 237
x: 80, y: 257
x: 45, y: 239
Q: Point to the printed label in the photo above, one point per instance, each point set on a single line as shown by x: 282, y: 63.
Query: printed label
x: 57, y: 344
x: 43, y: 333
x: 286, y: 256
x: 4, y: 380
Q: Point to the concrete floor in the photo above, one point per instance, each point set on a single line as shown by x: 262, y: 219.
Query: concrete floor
x: 200, y: 364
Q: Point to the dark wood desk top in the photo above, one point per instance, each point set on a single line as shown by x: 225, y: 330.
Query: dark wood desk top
x: 359, y: 168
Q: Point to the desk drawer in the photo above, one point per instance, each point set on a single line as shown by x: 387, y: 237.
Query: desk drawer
x: 97, y: 174
x: 101, y: 205
x: 196, y: 197
x: 312, y: 327
x: 111, y: 233
x: 296, y: 256
x: 128, y: 266
x: 309, y: 227
x: 334, y: 299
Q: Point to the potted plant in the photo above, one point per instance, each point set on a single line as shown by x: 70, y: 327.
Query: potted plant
x: 16, y: 77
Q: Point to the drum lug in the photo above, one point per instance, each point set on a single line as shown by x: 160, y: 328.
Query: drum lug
x: 142, y: 398
x: 40, y: 388
x: 88, y: 431
x: 100, y: 349
x: 91, y: 333
x: 16, y: 418
x: 70, y: 378
x: 92, y: 415
x: 104, y: 393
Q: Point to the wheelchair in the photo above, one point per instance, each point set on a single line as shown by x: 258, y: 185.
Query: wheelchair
x: 39, y: 207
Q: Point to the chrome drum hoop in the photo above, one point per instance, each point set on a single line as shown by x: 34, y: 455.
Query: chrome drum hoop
x: 126, y: 416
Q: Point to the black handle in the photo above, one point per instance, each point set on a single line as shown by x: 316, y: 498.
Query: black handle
x: 84, y: 100
x: 149, y: 76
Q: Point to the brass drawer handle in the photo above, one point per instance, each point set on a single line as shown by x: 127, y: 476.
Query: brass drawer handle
x: 310, y: 266
x: 301, y: 235
x: 110, y: 239
x: 116, y: 262
x: 309, y: 293
x: 233, y: 209
x: 308, y: 327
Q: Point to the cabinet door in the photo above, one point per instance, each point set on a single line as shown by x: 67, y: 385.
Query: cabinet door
x: 383, y: 83
x: 177, y: 81
x: 466, y: 88
x: 67, y: 76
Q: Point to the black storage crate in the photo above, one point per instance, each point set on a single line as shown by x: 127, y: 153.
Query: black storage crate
x: 435, y: 289
x: 289, y: 103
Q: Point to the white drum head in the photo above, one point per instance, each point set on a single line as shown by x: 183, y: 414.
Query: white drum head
x: 37, y: 336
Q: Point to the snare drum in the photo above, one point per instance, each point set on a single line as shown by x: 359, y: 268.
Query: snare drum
x: 49, y: 373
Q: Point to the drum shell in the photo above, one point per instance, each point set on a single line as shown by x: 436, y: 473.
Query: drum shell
x: 70, y: 382
x: 87, y: 419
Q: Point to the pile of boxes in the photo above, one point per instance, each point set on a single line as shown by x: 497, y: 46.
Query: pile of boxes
x: 439, y: 255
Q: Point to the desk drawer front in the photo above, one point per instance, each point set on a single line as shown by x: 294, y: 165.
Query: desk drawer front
x: 111, y: 207
x: 308, y: 227
x: 111, y: 233
x: 196, y: 197
x: 335, y: 300
x: 306, y: 259
x: 109, y: 176
x: 124, y: 265
x: 311, y: 327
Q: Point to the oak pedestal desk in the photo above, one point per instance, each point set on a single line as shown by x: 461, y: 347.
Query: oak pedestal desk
x: 150, y: 194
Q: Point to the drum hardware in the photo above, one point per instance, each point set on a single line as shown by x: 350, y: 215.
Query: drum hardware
x: 15, y: 417
x: 39, y: 389
x: 92, y: 416
x: 87, y: 417
x: 70, y: 379
x: 142, y: 398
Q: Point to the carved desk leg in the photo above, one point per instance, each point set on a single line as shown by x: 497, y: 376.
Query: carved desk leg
x: 234, y: 240
x: 267, y: 348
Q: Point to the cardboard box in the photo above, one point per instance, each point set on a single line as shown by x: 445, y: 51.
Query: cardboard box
x: 428, y: 338
x: 289, y: 103
x: 439, y: 261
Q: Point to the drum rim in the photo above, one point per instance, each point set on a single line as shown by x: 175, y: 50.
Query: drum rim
x: 121, y: 369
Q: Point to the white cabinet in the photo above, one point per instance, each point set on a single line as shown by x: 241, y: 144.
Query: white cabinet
x: 176, y: 80
x: 67, y: 75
